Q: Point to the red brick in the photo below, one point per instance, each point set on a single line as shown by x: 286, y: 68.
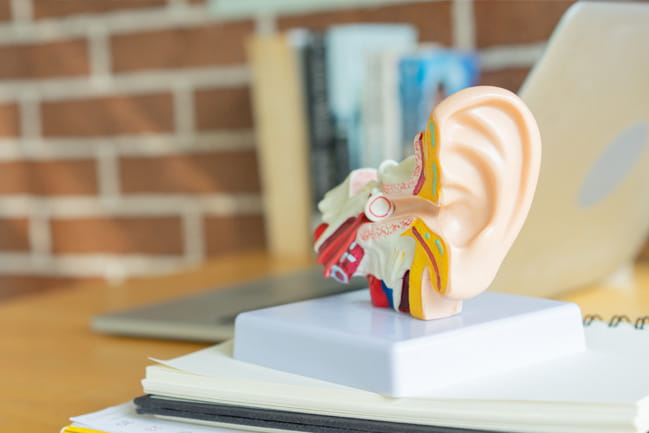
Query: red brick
x: 53, y: 59
x: 223, y: 109
x: 5, y: 10
x: 509, y: 78
x: 63, y: 8
x: 505, y: 22
x: 12, y: 286
x: 46, y: 178
x: 193, y: 174
x: 14, y: 234
x: 215, y: 44
x: 117, y: 236
x: 232, y: 234
x: 114, y: 115
x: 9, y: 120
x: 432, y: 19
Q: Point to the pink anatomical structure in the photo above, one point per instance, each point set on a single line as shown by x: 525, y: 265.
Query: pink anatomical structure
x: 432, y: 230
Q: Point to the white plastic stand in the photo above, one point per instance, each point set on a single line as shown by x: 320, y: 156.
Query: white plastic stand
x: 344, y: 339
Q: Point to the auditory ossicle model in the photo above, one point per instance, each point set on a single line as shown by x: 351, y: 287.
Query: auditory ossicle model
x: 432, y: 230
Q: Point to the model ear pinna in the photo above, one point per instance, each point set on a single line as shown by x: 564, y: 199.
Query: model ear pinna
x: 433, y: 230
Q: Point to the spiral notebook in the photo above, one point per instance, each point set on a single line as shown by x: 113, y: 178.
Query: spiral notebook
x: 605, y: 389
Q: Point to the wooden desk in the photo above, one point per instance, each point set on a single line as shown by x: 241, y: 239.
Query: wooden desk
x: 53, y: 367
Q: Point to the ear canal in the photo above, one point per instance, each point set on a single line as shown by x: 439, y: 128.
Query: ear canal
x: 481, y: 159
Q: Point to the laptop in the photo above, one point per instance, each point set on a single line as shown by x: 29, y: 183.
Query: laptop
x: 209, y: 316
x: 590, y: 96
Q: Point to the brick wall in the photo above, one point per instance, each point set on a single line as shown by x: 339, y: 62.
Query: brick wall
x: 126, y: 134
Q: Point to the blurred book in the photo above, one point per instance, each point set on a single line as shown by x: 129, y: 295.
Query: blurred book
x: 427, y: 76
x: 324, y: 161
x: 327, y: 102
x: 348, y: 49
x: 282, y: 141
x: 369, y: 95
x: 381, y: 120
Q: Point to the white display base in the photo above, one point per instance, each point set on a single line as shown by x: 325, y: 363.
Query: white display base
x: 344, y: 339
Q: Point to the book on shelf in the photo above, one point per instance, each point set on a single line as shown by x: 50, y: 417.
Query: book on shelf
x: 327, y: 102
x: 324, y: 167
x: 282, y: 143
x: 336, y: 82
x: 605, y: 389
x: 426, y: 76
x: 348, y: 47
x: 381, y: 120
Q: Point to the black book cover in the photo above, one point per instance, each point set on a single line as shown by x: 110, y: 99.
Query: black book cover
x: 324, y: 161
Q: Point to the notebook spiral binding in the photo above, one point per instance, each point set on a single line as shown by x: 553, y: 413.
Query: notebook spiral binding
x: 639, y: 323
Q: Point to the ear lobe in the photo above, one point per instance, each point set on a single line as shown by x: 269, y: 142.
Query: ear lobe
x: 482, y: 153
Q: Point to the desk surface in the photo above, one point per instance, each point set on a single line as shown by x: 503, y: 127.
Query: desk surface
x: 52, y: 367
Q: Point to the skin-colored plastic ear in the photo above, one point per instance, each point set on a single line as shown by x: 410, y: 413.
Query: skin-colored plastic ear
x: 454, y: 209
x: 490, y: 157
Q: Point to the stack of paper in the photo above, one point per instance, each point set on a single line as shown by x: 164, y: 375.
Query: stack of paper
x: 603, y: 390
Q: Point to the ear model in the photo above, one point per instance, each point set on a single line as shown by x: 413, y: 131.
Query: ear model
x: 478, y: 163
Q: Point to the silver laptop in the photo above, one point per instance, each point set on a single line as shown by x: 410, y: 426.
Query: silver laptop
x: 590, y: 96
x: 209, y: 316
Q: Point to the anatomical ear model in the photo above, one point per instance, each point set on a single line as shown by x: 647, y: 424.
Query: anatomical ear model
x: 433, y: 230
